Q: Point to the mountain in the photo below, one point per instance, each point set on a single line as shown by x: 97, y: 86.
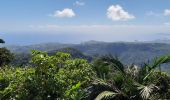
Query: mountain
x: 128, y: 52
x: 22, y: 59
x: 42, y: 47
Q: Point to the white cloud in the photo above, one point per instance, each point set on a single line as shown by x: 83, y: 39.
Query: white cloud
x: 79, y: 3
x: 116, y: 13
x: 64, y: 13
x: 167, y: 12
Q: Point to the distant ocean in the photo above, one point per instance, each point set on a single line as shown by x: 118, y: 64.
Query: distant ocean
x: 27, y: 38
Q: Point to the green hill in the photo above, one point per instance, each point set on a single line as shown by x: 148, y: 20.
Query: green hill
x: 128, y: 52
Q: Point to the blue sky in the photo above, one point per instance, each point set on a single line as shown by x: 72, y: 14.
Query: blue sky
x: 74, y: 21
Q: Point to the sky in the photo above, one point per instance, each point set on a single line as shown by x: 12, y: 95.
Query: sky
x: 74, y: 21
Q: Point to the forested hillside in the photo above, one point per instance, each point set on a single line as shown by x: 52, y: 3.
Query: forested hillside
x: 127, y: 52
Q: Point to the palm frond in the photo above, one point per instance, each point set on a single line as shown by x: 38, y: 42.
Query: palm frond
x: 96, y: 88
x: 114, y: 62
x: 99, y: 87
x: 161, y: 60
x: 106, y: 95
x: 146, y: 91
x: 133, y: 71
x: 157, y: 62
x: 150, y: 73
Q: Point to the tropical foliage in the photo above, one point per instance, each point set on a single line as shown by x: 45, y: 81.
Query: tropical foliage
x: 52, y: 77
x: 131, y: 82
x: 62, y: 77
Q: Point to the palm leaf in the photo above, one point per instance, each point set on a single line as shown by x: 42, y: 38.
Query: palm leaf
x: 157, y: 63
x: 114, y: 62
x: 106, y: 95
x: 96, y: 88
x: 133, y: 71
x: 100, y: 86
x: 150, y: 73
x: 161, y: 60
x: 147, y: 91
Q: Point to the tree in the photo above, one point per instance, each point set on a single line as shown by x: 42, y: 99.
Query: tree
x: 132, y: 82
x: 5, y: 55
x: 53, y: 77
x: 2, y: 41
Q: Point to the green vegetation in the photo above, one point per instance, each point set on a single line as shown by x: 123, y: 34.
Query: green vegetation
x: 52, y: 77
x: 59, y: 76
x: 5, y: 55
x: 126, y: 51
x: 131, y: 82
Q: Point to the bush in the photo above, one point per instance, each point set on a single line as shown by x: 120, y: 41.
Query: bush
x: 52, y: 77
